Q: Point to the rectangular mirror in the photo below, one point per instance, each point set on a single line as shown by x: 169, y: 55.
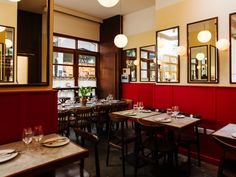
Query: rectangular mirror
x: 233, y: 47
x: 202, y: 53
x: 129, y: 58
x: 25, y: 61
x: 148, y: 63
x: 167, y: 41
x: 7, y: 51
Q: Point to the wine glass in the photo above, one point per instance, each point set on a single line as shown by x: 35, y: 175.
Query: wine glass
x: 140, y: 105
x: 27, y: 136
x: 175, y: 110
x: 135, y: 108
x: 38, y: 133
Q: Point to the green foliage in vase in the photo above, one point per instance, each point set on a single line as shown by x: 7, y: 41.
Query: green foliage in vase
x: 85, y: 90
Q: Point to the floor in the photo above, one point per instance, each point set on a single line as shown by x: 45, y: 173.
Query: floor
x: 115, y: 169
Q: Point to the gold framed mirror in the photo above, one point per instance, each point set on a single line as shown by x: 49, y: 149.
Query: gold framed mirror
x: 232, y: 22
x: 202, y: 53
x: 29, y: 53
x: 7, y: 53
x: 167, y: 41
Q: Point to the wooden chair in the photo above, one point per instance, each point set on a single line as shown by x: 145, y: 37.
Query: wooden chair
x: 119, y: 139
x: 227, y: 166
x: 63, y: 123
x: 153, y: 144
x: 101, y: 117
x: 83, y: 117
x: 86, y: 136
x: 190, y: 138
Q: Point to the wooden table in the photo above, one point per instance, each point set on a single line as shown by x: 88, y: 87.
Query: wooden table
x: 38, y: 160
x: 226, y: 132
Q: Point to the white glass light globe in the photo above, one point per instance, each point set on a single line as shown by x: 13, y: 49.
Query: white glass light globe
x: 222, y: 44
x: 2, y: 28
x: 200, y: 56
x: 181, y: 50
x: 204, y: 36
x: 108, y: 3
x: 121, y: 40
x: 8, y: 43
x: 136, y: 62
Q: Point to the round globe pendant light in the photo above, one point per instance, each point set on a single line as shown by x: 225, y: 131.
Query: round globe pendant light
x: 121, y: 40
x: 108, y: 3
x: 8, y: 43
x: 222, y: 44
x: 204, y: 36
x: 136, y: 63
x: 200, y: 56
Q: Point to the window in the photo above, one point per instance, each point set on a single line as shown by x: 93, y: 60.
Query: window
x: 147, y: 64
x: 130, y: 56
x: 74, y: 64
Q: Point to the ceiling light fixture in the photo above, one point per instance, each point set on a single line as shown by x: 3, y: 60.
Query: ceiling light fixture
x: 8, y: 43
x: 120, y: 40
x: 108, y: 3
x: 200, y: 56
x: 222, y: 44
x: 2, y: 28
x: 204, y: 36
x: 14, y: 0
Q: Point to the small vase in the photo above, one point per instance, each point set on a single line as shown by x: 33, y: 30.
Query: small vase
x: 83, y: 101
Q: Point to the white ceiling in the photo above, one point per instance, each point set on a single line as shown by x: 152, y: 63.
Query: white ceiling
x: 93, y: 8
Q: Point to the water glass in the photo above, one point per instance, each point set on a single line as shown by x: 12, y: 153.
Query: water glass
x: 168, y: 111
x: 27, y: 136
x: 140, y: 106
x: 38, y: 133
x: 175, y: 110
x: 135, y: 108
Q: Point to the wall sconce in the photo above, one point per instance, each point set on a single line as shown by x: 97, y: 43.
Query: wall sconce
x: 108, y: 3
x: 222, y: 44
x: 204, y: 36
x: 181, y: 50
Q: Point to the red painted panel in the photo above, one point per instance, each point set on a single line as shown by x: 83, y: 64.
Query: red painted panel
x: 225, y: 105
x: 23, y: 109
x: 195, y: 100
x: 163, y: 96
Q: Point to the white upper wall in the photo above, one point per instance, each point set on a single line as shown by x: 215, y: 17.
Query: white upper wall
x: 164, y: 3
x: 140, y: 21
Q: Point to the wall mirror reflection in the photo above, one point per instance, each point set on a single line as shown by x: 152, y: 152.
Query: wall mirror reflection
x: 29, y: 63
x: 233, y: 48
x: 167, y: 41
x: 129, y: 61
x: 147, y: 64
x: 202, y: 53
x: 7, y: 50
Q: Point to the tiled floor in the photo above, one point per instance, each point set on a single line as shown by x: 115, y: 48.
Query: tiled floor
x: 115, y: 169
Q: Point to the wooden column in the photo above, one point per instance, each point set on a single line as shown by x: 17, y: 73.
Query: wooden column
x: 110, y: 58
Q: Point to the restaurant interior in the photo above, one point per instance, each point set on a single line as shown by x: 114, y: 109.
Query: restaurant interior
x: 116, y: 88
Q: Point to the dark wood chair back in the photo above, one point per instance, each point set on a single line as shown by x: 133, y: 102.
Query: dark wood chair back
x: 63, y: 123
x: 83, y: 117
x: 226, y: 165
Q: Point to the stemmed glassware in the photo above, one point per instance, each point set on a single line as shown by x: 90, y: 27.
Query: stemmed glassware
x: 38, y: 133
x: 175, y: 111
x: 140, y: 106
x: 27, y: 136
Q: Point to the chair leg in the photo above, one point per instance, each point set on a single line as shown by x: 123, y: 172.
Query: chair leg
x: 108, y: 145
x: 123, y: 149
x: 189, y: 157
x: 97, y: 162
x: 82, y: 168
x: 198, y: 155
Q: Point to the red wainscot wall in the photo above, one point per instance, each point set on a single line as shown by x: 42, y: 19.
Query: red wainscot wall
x: 214, y: 104
x: 24, y: 109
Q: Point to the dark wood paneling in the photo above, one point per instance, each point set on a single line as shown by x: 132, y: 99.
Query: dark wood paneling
x: 110, y: 58
x: 29, y: 42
